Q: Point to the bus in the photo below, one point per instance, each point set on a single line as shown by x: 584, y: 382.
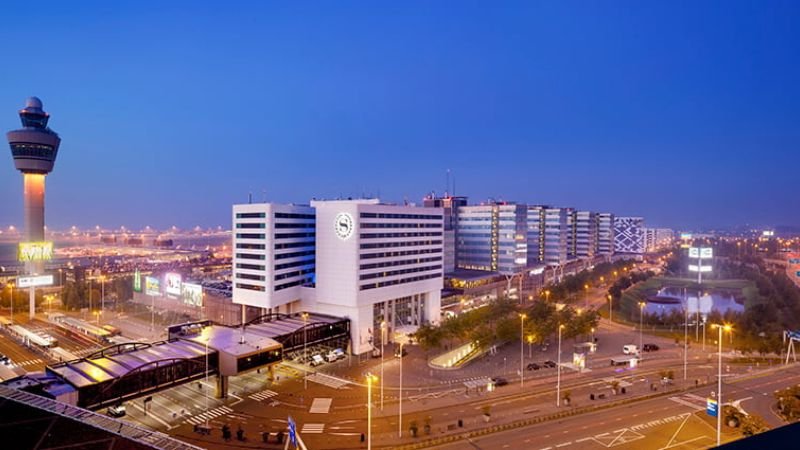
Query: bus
x: 30, y: 338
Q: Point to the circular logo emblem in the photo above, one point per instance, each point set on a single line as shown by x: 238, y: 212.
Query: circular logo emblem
x: 343, y: 225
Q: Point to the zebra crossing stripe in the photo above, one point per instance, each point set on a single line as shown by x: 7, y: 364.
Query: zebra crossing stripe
x: 263, y: 395
x: 209, y: 415
x: 313, y: 428
x: 321, y: 406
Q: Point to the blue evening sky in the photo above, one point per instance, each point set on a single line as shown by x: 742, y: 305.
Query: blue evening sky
x: 686, y: 113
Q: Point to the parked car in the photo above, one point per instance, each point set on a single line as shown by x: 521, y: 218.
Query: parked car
x: 331, y: 356
x: 397, y: 353
x: 117, y: 410
x: 650, y: 347
x: 550, y: 363
x: 317, y: 360
x: 340, y: 354
x: 534, y: 366
x: 499, y: 381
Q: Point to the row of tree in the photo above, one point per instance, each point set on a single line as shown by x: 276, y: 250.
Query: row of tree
x: 502, y: 321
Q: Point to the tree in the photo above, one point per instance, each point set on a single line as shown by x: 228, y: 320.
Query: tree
x: 753, y: 424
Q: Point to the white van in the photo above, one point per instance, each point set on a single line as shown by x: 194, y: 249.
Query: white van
x: 630, y: 349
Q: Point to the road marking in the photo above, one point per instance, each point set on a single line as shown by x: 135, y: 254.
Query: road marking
x: 577, y: 441
x: 313, y: 428
x: 263, y: 395
x: 564, y: 444
x: 320, y: 406
x: 209, y: 415
x: 328, y: 380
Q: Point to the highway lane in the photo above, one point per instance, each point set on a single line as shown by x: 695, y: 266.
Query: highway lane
x: 21, y: 355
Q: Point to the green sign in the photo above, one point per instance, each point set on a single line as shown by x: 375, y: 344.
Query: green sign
x: 137, y: 281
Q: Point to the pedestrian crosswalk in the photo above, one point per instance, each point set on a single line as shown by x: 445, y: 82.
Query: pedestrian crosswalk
x: 313, y: 428
x: 321, y: 406
x: 29, y: 362
x: 209, y: 415
x: 691, y: 400
x: 263, y: 395
x: 328, y: 380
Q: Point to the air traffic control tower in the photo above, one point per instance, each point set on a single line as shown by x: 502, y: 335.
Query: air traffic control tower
x: 34, y: 148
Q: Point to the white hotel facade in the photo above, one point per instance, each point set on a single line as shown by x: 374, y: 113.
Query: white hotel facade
x: 359, y: 259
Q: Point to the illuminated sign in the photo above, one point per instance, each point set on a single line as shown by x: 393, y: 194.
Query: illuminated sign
x: 152, y: 286
x: 35, y: 251
x: 686, y: 236
x: 702, y: 253
x: 695, y: 268
x: 137, y: 281
x: 173, y: 282
x: 711, y: 407
x: 768, y: 233
x: 579, y: 360
x: 41, y: 280
x: 343, y: 224
x: 192, y: 294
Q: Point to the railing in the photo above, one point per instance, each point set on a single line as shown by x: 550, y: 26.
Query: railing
x: 107, y: 424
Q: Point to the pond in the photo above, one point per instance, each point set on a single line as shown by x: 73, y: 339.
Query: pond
x: 672, y: 299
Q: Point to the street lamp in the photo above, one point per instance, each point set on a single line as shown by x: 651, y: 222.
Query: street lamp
x: 558, y: 367
x: 641, y: 314
x: 102, y: 294
x: 383, y: 339
x: 586, y: 295
x: 11, y: 285
x: 370, y: 379
x: 522, y: 318
x: 400, y: 414
x: 610, y: 308
x: 305, y: 352
x: 719, y: 377
x: 547, y: 295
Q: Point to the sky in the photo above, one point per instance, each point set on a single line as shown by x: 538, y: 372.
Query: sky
x: 685, y: 113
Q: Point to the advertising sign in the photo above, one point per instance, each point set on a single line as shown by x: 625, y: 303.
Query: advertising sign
x: 35, y: 251
x: 711, y: 407
x: 695, y: 268
x: 706, y: 253
x: 579, y: 360
x: 137, y: 281
x: 173, y: 282
x: 41, y: 280
x: 192, y: 294
x: 686, y: 236
x: 152, y: 286
x: 694, y: 252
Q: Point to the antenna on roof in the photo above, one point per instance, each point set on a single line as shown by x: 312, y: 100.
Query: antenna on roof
x: 249, y: 198
x: 264, y: 196
x: 447, y: 182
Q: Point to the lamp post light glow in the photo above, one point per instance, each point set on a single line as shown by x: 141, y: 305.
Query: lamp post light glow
x: 305, y: 353
x: 610, y: 308
x: 530, y: 346
x: 641, y: 315
x: 383, y: 339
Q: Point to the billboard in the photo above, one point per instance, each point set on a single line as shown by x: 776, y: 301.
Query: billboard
x: 173, y: 282
x: 152, y: 286
x: 137, y: 281
x: 686, y: 236
x: 41, y: 280
x: 35, y: 251
x: 192, y: 294
x: 695, y: 268
x: 702, y: 253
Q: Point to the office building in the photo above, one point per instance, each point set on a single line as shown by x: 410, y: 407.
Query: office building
x: 584, y: 234
x: 629, y: 235
x: 449, y: 205
x: 656, y: 239
x: 359, y: 259
x: 273, y: 255
x: 556, y: 236
x: 492, y: 237
x: 605, y: 234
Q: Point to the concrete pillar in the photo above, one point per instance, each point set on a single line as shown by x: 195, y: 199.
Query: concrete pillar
x: 222, y: 386
x: 271, y: 372
x: 33, y: 195
x: 32, y: 305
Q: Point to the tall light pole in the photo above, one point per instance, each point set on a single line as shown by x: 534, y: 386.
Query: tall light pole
x: 400, y: 418
x: 719, y: 378
x: 530, y: 346
x: 12, y: 302
x: 641, y: 315
x: 547, y: 295
x: 370, y: 380
x: 685, y: 333
x: 383, y: 339
x: 522, y: 318
x: 610, y: 308
x: 305, y: 352
x: 586, y: 295
x: 102, y: 293
x: 558, y: 367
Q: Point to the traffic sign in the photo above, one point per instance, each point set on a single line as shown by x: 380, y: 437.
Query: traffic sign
x: 711, y: 407
x: 34, y: 281
x: 292, y: 431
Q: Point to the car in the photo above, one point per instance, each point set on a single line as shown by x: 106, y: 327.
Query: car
x: 5, y: 359
x: 550, y: 363
x: 630, y: 349
x: 317, y: 360
x: 340, y: 354
x: 534, y: 366
x: 117, y: 410
x: 331, y: 356
x: 650, y: 347
x: 499, y: 381
x: 397, y: 353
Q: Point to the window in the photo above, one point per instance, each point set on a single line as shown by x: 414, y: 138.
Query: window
x: 249, y: 256
x: 250, y: 225
x: 250, y: 266
x: 255, y: 215
x: 247, y: 276
x: 250, y: 246
x: 250, y: 287
x: 294, y: 216
x: 249, y: 236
